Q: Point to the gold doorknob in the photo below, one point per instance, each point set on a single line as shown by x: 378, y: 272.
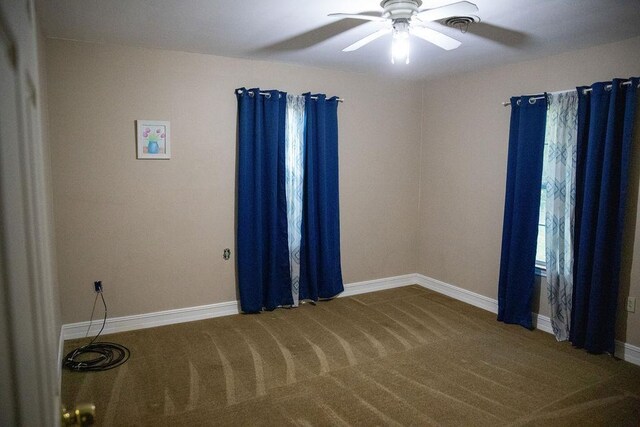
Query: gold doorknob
x: 83, y: 415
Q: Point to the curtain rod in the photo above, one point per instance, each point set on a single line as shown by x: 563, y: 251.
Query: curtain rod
x: 626, y: 83
x: 268, y: 95
x: 607, y: 87
x: 506, y: 104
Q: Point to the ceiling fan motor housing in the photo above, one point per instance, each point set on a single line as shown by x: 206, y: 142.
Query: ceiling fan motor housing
x: 400, y: 9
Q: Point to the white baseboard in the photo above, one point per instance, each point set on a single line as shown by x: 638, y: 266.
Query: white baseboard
x: 189, y: 314
x: 378, y: 285
x: 625, y: 351
x: 542, y: 322
x: 151, y: 320
x: 539, y: 321
x: 460, y: 294
x: 628, y: 352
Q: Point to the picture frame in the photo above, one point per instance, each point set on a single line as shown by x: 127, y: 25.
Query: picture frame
x: 153, y: 140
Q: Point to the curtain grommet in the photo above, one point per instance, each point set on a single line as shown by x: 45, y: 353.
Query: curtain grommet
x: 518, y: 102
x: 532, y: 100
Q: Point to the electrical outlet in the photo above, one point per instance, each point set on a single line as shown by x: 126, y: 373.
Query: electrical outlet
x: 226, y: 254
x: 631, y: 304
x: 97, y: 286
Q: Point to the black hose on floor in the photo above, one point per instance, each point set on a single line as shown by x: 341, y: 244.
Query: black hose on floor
x: 97, y: 356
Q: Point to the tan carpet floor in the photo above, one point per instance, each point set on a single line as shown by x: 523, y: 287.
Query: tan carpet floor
x: 406, y: 356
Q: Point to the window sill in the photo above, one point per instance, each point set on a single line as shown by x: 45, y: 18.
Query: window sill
x: 541, y: 270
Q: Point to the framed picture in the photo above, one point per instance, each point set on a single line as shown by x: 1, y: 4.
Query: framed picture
x: 153, y: 139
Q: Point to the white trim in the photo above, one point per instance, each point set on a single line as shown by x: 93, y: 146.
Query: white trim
x: 539, y: 321
x: 151, y: 320
x: 189, y: 314
x: 58, y: 397
x: 357, y: 288
x: 624, y: 351
x: 460, y: 294
x: 60, y: 356
x: 628, y: 352
x: 542, y: 322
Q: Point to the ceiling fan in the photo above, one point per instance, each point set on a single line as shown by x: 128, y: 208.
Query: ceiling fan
x: 404, y: 17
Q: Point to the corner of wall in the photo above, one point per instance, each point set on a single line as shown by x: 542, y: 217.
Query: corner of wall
x: 419, y: 268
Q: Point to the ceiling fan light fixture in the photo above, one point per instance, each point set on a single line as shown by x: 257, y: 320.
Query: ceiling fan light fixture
x: 404, y: 17
x: 400, y: 42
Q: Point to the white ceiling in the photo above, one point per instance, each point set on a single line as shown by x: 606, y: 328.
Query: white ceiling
x: 300, y: 32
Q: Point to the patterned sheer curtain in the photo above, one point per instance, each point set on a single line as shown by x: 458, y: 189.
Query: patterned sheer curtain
x: 294, y: 177
x: 559, y: 178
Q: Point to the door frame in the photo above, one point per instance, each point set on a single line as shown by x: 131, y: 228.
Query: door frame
x: 29, y: 321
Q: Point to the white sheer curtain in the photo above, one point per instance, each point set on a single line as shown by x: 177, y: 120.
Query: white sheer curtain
x: 559, y: 178
x: 294, y: 173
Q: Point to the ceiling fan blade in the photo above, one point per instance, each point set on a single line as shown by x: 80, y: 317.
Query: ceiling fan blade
x: 357, y: 16
x: 371, y: 37
x: 461, y: 8
x: 435, y: 37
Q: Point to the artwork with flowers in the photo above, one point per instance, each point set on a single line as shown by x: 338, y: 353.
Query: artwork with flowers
x: 153, y: 139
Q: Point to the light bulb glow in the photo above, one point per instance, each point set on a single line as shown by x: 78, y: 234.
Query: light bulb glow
x: 400, y: 43
x: 400, y: 50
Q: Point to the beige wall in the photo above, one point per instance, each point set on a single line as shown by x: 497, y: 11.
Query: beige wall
x: 154, y: 231
x: 463, y: 167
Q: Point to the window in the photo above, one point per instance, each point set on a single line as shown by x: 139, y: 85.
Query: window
x: 541, y: 258
x: 540, y: 251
